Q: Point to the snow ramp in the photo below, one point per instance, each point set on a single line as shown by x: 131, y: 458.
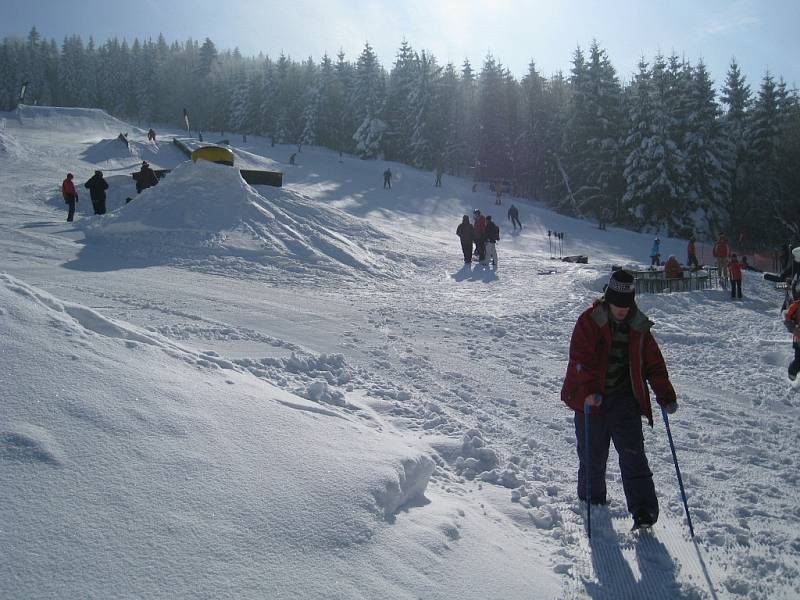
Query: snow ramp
x: 83, y: 120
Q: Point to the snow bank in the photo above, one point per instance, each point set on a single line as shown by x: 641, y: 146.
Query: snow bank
x: 129, y: 461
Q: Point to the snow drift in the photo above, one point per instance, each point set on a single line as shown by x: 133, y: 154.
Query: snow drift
x: 181, y: 480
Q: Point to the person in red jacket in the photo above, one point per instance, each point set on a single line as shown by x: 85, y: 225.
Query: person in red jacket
x: 720, y: 253
x: 479, y: 225
x: 791, y: 319
x: 735, y: 271
x: 612, y: 358
x: 70, y: 196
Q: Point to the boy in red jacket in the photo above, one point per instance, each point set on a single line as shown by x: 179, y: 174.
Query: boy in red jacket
x: 70, y: 195
x: 612, y: 358
x: 735, y: 271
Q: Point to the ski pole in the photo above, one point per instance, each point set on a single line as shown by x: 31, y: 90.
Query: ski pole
x: 586, y: 409
x: 678, y: 471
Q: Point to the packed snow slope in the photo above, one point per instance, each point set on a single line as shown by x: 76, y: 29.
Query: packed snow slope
x: 219, y: 390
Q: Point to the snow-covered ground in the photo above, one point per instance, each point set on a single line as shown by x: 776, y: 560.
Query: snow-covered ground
x: 225, y: 391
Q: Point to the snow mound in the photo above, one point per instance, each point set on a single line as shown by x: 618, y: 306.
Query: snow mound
x: 79, y: 120
x: 205, y: 212
x: 108, y: 149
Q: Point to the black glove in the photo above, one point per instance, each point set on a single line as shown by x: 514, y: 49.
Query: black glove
x: 672, y: 407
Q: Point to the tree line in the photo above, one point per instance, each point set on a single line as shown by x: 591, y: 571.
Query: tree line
x: 661, y: 152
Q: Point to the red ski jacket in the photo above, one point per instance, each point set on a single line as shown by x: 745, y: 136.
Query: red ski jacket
x: 721, y: 248
x: 735, y: 269
x: 588, y: 361
x: 68, y: 189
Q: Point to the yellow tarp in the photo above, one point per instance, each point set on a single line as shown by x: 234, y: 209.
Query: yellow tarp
x: 214, y: 154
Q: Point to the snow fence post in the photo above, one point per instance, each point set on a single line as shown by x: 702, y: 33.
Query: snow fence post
x: 586, y: 410
x: 678, y: 471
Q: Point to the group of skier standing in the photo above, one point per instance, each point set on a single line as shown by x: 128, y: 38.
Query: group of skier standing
x: 97, y: 186
x: 479, y: 238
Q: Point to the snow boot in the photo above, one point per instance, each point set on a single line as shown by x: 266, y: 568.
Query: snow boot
x: 642, y: 520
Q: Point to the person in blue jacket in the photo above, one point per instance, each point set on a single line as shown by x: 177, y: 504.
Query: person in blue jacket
x: 655, y: 253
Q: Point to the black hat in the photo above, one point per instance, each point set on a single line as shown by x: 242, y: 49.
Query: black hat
x: 620, y: 290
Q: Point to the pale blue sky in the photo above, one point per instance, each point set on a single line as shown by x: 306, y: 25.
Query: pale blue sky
x: 761, y: 34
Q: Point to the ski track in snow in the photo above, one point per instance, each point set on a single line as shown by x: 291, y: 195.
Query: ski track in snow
x: 476, y: 356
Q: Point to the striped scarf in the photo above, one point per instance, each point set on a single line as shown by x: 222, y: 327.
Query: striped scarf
x: 618, y: 375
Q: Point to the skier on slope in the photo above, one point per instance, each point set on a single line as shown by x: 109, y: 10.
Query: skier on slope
x: 466, y: 233
x: 70, y: 196
x: 612, y: 358
x: 387, y: 178
x: 513, y: 215
x: 491, y: 235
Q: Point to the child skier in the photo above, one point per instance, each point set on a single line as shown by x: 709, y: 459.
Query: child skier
x: 791, y: 318
x: 612, y: 358
x: 735, y: 272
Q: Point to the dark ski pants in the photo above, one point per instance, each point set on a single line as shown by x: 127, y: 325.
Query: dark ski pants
x: 480, y: 247
x: 71, y: 206
x: 692, y: 261
x: 516, y: 222
x: 466, y: 248
x: 794, y: 366
x: 619, y: 421
x: 99, y: 206
x: 736, y: 288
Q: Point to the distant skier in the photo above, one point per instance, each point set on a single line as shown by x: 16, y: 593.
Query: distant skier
x: 791, y: 319
x: 735, y: 272
x: 513, y: 215
x: 498, y: 193
x: 145, y: 178
x: 479, y: 225
x: 151, y: 135
x: 439, y: 172
x: 97, y: 187
x: 612, y: 358
x: 491, y: 235
x: 655, y: 253
x: 720, y: 253
x: 387, y: 178
x: 691, y: 254
x: 292, y: 158
x: 70, y: 196
x: 466, y: 233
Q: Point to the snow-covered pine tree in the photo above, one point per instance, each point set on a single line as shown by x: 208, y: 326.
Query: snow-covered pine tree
x: 655, y: 168
x: 421, y: 104
x: 592, y: 155
x: 737, y: 98
x: 398, y: 112
x: 367, y: 99
x: 703, y: 145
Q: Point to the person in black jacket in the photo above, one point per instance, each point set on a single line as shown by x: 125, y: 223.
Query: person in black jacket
x: 466, y: 232
x: 491, y: 235
x: 145, y: 178
x: 97, y: 187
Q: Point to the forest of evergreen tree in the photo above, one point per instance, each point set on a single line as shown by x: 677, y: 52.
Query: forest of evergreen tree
x: 662, y: 152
